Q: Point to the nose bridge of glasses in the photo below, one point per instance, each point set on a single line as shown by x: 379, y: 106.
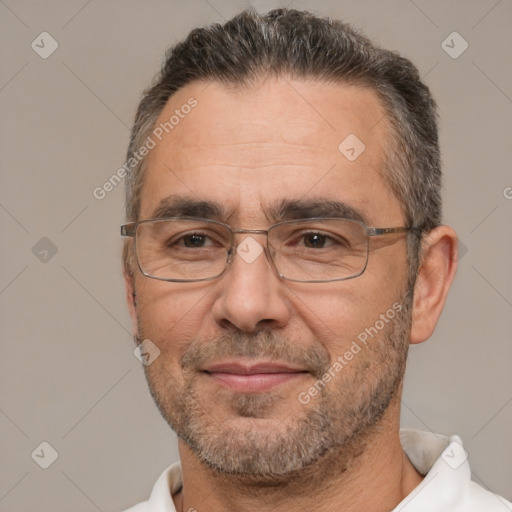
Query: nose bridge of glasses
x: 248, y: 245
x: 249, y: 231
x: 239, y: 240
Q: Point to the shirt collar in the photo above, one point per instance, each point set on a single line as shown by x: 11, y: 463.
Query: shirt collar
x: 441, y: 459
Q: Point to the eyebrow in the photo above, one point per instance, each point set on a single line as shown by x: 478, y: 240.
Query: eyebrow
x: 286, y: 209
x: 314, y: 207
x: 180, y: 206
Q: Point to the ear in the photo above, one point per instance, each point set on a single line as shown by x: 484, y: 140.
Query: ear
x: 438, y: 264
x: 129, y: 282
x: 131, y: 300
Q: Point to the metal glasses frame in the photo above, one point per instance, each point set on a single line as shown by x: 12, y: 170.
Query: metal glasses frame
x: 130, y: 230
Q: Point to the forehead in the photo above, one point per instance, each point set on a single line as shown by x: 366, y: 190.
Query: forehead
x: 251, y: 148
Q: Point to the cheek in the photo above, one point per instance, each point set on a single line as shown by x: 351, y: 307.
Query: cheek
x: 171, y: 316
x: 338, y: 314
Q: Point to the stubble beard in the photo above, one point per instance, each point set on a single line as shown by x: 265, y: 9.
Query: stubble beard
x: 260, y: 450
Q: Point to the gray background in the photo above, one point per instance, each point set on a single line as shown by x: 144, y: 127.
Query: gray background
x: 68, y: 375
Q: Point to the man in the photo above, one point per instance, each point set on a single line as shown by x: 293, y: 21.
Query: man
x: 284, y: 248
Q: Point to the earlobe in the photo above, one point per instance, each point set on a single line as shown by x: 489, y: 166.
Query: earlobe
x: 438, y: 265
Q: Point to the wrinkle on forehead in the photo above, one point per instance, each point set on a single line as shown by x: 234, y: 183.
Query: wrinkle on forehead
x: 249, y: 155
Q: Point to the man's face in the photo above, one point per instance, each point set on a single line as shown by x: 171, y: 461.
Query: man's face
x: 241, y: 356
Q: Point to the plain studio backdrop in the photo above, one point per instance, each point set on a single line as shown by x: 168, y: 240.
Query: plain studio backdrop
x: 72, y: 75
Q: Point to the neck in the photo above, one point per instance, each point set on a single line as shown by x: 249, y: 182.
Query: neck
x: 373, y: 473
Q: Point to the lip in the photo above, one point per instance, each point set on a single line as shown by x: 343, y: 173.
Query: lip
x: 252, y: 378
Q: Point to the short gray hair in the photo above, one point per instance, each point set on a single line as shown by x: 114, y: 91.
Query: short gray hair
x: 301, y: 45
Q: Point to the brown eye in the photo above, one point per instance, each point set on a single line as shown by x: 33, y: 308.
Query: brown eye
x: 315, y: 240
x: 194, y: 240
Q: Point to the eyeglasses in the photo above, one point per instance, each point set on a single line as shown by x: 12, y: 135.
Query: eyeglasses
x: 315, y: 250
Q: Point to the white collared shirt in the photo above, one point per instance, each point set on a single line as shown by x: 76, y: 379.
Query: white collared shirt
x: 447, y: 486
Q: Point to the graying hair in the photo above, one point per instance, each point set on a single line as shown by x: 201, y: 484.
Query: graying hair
x: 300, y: 45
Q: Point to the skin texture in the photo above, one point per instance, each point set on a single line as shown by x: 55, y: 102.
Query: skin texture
x: 248, y: 149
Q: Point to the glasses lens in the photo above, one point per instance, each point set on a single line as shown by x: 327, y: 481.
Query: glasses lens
x: 325, y: 250
x: 180, y: 249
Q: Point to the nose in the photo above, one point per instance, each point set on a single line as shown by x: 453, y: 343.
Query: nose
x: 251, y: 297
